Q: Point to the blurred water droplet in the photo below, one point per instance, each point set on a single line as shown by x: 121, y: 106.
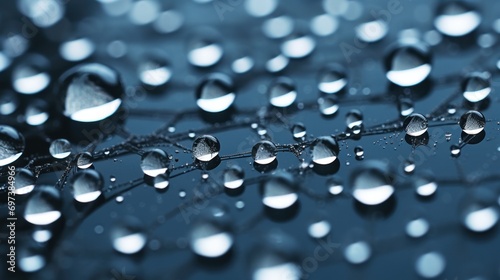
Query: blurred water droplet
x: 298, y: 131
x: 408, y: 65
x: 60, y: 148
x: 169, y: 21
x: 359, y: 152
x: 335, y: 186
x: 480, y: 212
x: 277, y: 63
x: 205, y: 148
x: 372, y: 31
x: 161, y: 181
x: 234, y: 177
x: 472, y: 122
x: 24, y: 181
x: 278, y: 27
x: 204, y: 51
x: 476, y: 86
x: 44, y: 206
x: 430, y: 265
x: 86, y: 185
x: 417, y: 228
x: 282, y: 92
x: 455, y: 150
x: 30, y: 259
x: 298, y: 46
x: 144, y: 12
x: 279, y: 191
x: 36, y: 112
x: 9, y: 103
x: 242, y: 65
x: 319, y: 229
x: 260, y: 8
x: 415, y: 125
x: 154, y: 162
x: 77, y: 49
x: 154, y: 71
x: 11, y: 145
x: 128, y: 236
x: 211, y: 237
x: 405, y: 107
x: 90, y: 92
x: 372, y: 183
x: 354, y: 118
x: 324, y: 25
x: 456, y: 18
x: 31, y: 75
x: 264, y: 152
x: 215, y: 93
x: 332, y: 79
x: 425, y: 185
x: 43, y: 13
x: 324, y: 150
x: 409, y: 166
x: 357, y: 252
x: 328, y: 105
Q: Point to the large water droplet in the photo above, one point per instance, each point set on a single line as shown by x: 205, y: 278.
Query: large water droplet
x: 415, y: 125
x: 372, y: 183
x: 86, y: 185
x: 472, y: 122
x: 31, y: 75
x: 282, y: 92
x: 60, y: 148
x: 408, y: 65
x: 11, y: 145
x: 205, y: 148
x: 234, y: 177
x: 264, y: 152
x: 332, y: 79
x: 24, y: 181
x: 154, y: 162
x: 215, y: 93
x: 279, y: 191
x: 456, y: 18
x: 357, y: 252
x: 128, y: 236
x: 324, y: 150
x: 90, y: 92
x: 154, y: 70
x: 43, y: 206
x: 430, y: 265
x: 211, y: 237
x: 476, y: 86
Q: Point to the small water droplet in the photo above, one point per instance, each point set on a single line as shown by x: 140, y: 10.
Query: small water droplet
x: 480, y: 211
x: 298, y: 46
x: 31, y: 76
x: 205, y: 148
x: 335, y: 186
x: 472, y: 122
x: 455, y: 150
x: 357, y: 252
x: 417, y: 228
x: 324, y: 150
x: 409, y: 166
x: 405, y: 107
x: 264, y: 152
x: 44, y: 206
x: 154, y: 162
x: 319, y: 229
x: 84, y: 160
x: 86, y: 185
x: 60, y: 148
x: 154, y: 71
x: 279, y: 191
x: 328, y: 105
x: 372, y: 30
x: 205, y: 51
x: 211, y: 237
x: 425, y: 185
x: 332, y: 79
x: 299, y: 131
x: 24, y: 181
x: 372, y: 183
x: 430, y: 265
x: 234, y: 177
x: 128, y: 236
x: 215, y: 93
x: 476, y: 86
x: 408, y: 65
x: 354, y: 118
x: 282, y: 92
x: 415, y: 125
x: 456, y: 18
x: 11, y: 145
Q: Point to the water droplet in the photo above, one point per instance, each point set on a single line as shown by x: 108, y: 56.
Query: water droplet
x: 205, y: 148
x: 430, y: 265
x: 480, y: 211
x: 409, y: 166
x: 408, y: 65
x: 205, y: 51
x: 324, y: 25
x: 60, y: 148
x: 242, y: 65
x: 452, y: 109
x: 298, y: 46
x: 215, y: 93
x: 154, y: 70
x: 405, y: 107
x: 456, y: 18
x: 24, y: 181
x: 279, y: 191
x: 357, y: 252
x: 169, y: 21
x: 36, y: 112
x: 354, y: 118
x: 334, y: 185
x: 476, y: 86
x: 240, y: 204
x: 328, y: 105
x: 425, y: 185
x: 277, y: 63
x: 42, y: 235
x: 332, y: 79
x: 9, y: 102
x: 211, y: 238
x: 43, y: 13
x: 154, y: 162
x: 319, y: 229
x: 234, y: 177
x: 264, y: 152
x: 282, y: 92
x: 30, y: 259
x: 260, y: 8
x: 31, y: 76
x: 417, y: 228
x: 299, y: 131
x: 472, y: 122
x: 415, y: 125
x: 77, y: 49
x: 86, y: 185
x: 144, y: 12
x: 359, y: 152
x: 128, y: 236
x: 43, y: 206
x: 11, y: 145
x: 90, y: 92
x: 372, y: 183
x: 372, y: 31
x: 84, y: 160
x: 455, y: 150
x: 278, y: 27
x: 161, y: 181
x: 119, y: 199
x: 324, y: 150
